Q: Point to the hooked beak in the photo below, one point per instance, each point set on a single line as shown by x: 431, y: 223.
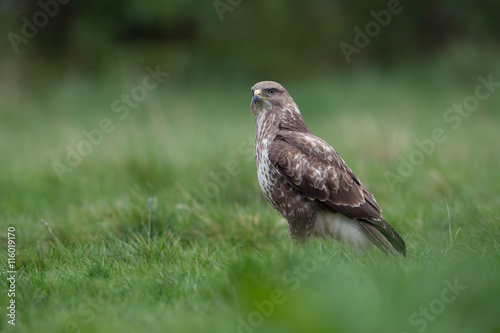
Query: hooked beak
x: 257, y: 96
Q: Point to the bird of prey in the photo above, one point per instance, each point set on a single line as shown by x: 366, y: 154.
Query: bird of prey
x: 308, y: 183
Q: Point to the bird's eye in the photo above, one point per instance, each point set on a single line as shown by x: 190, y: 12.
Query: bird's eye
x: 271, y: 91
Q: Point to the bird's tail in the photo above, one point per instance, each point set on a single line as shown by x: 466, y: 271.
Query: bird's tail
x: 385, y: 237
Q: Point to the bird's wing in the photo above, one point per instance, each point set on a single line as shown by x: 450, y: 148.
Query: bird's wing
x: 315, y: 169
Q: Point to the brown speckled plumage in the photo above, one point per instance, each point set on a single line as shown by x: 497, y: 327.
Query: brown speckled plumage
x: 307, y: 182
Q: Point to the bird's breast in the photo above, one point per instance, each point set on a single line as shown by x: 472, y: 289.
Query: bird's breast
x: 267, y: 175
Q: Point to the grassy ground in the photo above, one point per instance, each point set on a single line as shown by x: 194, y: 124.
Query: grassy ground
x: 161, y: 226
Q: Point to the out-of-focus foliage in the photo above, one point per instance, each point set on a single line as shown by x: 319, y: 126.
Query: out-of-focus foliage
x: 252, y: 38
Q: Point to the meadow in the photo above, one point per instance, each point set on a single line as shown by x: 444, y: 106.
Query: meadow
x: 155, y: 221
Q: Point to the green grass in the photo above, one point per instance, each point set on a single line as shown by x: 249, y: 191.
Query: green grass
x: 223, y: 262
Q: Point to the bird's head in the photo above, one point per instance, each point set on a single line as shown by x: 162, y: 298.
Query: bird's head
x: 267, y: 95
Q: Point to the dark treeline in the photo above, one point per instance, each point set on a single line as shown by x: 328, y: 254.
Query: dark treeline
x: 242, y: 37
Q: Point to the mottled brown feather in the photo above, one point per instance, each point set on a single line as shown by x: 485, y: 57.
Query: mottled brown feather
x: 321, y: 174
x: 302, y: 175
x: 330, y: 181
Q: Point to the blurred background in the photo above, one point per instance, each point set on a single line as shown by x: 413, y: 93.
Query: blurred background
x: 377, y: 72
x: 105, y: 104
x: 233, y: 40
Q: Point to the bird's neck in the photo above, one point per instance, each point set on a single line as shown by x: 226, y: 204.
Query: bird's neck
x: 292, y: 120
x: 267, y: 125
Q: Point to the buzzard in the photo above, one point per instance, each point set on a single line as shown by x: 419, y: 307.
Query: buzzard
x: 308, y: 183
